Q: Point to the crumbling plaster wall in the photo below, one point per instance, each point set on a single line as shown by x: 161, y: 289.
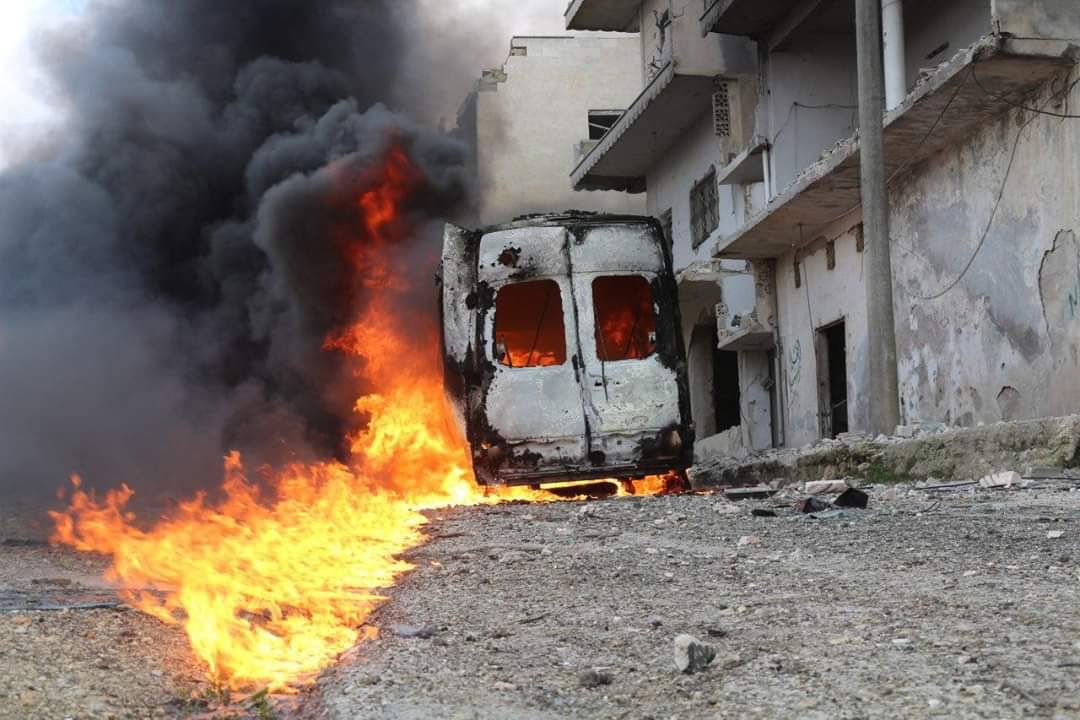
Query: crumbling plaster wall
x: 826, y: 296
x: 532, y: 113
x: 1004, y: 343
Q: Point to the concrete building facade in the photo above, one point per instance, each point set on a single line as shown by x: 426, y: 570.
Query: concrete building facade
x: 980, y: 140
x: 528, y: 120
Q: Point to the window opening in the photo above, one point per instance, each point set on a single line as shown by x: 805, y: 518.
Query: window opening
x: 625, y: 318
x: 600, y: 121
x: 704, y: 208
x: 529, y: 329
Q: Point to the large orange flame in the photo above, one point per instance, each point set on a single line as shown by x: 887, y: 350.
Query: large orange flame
x: 276, y: 578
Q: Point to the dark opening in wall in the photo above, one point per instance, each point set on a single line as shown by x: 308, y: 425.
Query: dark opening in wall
x: 726, y: 389
x: 832, y: 379
x: 529, y: 328
x: 625, y: 318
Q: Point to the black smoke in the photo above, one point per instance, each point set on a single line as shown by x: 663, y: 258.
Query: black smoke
x: 169, y: 263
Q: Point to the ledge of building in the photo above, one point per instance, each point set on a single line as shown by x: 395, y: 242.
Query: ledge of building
x: 752, y: 18
x: 614, y: 15
x: 828, y: 190
x: 660, y: 115
x: 751, y: 336
x: 746, y: 167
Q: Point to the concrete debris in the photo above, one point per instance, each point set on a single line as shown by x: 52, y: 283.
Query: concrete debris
x: 1055, y: 534
x: 411, y: 631
x: 749, y: 493
x: 825, y: 487
x: 852, y: 498
x: 749, y: 540
x: 1006, y: 479
x: 692, y: 655
x: 594, y: 678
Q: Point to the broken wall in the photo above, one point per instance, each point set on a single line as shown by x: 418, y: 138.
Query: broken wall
x: 1005, y: 342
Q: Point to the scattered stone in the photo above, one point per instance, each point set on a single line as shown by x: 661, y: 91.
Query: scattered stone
x: 749, y: 540
x: 654, y: 621
x: 1055, y: 534
x: 692, y: 655
x: 411, y: 631
x: 852, y: 498
x: 593, y: 678
x: 763, y: 512
x: 1005, y: 479
x: 901, y: 642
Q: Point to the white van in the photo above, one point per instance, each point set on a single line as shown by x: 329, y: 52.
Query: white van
x: 563, y: 349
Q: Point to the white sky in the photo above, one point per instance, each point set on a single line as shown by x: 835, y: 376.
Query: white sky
x: 24, y: 112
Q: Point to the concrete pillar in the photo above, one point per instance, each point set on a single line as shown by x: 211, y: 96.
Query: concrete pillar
x: 884, y: 384
x: 892, y: 34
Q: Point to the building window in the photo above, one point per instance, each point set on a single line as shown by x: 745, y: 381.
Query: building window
x: 625, y: 318
x: 665, y: 225
x: 529, y: 325
x: 704, y: 208
x: 600, y: 121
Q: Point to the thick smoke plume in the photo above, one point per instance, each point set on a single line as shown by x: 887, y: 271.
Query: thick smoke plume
x: 171, y: 263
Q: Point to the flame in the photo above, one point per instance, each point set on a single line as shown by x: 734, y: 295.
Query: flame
x: 272, y: 580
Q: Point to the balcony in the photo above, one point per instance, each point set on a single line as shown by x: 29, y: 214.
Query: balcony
x: 742, y: 331
x: 684, y: 73
x: 613, y: 15
x: 947, y: 106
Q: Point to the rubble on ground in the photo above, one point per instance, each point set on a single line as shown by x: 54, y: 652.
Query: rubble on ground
x: 916, y: 452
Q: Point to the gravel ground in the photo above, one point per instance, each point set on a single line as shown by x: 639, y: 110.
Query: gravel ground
x: 952, y: 604
x: 927, y: 604
x: 111, y: 662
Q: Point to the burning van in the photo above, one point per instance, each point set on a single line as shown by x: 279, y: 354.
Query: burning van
x: 563, y: 349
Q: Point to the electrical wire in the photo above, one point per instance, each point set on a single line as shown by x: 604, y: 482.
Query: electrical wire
x: 1002, y: 98
x: 1004, y: 183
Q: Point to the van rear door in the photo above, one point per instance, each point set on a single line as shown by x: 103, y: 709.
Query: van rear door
x: 624, y: 295
x: 533, y: 398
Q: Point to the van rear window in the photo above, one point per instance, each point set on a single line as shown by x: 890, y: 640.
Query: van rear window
x: 529, y: 325
x: 625, y: 319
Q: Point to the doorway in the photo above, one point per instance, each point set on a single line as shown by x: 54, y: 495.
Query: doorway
x: 832, y: 379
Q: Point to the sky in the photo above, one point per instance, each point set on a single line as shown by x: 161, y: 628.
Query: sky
x: 27, y: 111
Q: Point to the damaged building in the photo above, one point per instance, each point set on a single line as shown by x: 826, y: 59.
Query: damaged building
x: 527, y: 120
x: 745, y: 142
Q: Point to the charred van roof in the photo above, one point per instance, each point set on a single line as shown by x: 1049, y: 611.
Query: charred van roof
x: 569, y: 218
